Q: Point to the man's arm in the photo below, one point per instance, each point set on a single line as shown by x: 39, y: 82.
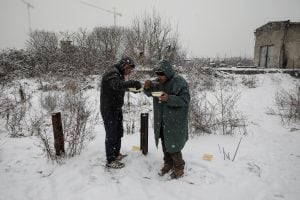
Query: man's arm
x: 117, y: 83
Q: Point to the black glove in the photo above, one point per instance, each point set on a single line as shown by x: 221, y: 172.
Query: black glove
x: 147, y: 84
x: 137, y: 85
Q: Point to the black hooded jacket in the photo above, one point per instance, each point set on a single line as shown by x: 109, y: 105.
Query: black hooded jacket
x: 113, y: 87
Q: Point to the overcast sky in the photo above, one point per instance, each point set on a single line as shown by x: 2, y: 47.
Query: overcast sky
x: 206, y: 27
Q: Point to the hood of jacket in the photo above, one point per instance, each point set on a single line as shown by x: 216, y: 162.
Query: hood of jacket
x: 165, y: 67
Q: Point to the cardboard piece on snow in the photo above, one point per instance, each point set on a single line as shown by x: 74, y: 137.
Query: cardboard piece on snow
x: 207, y: 157
x: 135, y: 148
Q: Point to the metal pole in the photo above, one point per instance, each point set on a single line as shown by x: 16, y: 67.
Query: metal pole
x: 115, y: 16
x: 144, y: 133
x: 29, y: 18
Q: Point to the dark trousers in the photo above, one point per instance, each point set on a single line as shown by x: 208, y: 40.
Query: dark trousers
x: 113, y: 123
x: 173, y: 159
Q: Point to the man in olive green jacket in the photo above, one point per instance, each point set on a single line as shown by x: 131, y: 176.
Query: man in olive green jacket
x: 170, y: 116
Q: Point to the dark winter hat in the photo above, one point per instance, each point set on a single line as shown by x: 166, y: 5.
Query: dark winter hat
x: 126, y: 61
x: 159, y: 73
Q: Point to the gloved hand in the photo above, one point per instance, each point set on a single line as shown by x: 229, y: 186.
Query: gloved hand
x: 147, y: 84
x: 137, y: 85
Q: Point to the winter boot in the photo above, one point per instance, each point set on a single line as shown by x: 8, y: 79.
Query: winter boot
x: 178, y: 165
x: 168, y: 164
x: 120, y: 157
x: 115, y: 164
x: 165, y: 169
x: 177, y: 173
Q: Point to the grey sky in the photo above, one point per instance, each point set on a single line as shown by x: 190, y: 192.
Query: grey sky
x: 206, y: 27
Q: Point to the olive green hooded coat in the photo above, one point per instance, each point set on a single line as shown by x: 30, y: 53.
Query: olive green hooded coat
x: 171, y: 116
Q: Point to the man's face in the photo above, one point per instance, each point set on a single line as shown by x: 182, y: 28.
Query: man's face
x: 128, y: 69
x: 162, y: 79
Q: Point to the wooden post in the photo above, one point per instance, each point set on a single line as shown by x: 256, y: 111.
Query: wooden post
x: 144, y: 133
x: 58, y: 134
x: 22, y: 95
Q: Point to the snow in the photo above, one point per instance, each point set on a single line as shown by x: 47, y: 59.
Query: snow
x: 266, y: 166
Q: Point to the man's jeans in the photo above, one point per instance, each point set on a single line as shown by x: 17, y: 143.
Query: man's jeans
x: 113, y: 123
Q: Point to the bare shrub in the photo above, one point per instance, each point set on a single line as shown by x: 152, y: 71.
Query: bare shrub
x: 250, y: 81
x: 216, y: 113
x: 47, y: 145
x: 227, y: 118
x: 130, y: 126
x: 72, y: 85
x: 200, y: 78
x: 132, y: 108
x: 48, y: 87
x: 78, y: 118
x: 14, y: 122
x: 4, y: 101
x: 213, y: 101
x: 208, y: 82
x: 130, y: 115
x: 50, y: 102
x: 288, y: 105
x: 16, y: 107
x: 77, y: 123
x: 201, y: 114
x: 35, y: 125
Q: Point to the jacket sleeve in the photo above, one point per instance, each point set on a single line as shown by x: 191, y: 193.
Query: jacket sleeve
x: 154, y: 87
x: 148, y: 92
x: 117, y: 83
x: 180, y: 96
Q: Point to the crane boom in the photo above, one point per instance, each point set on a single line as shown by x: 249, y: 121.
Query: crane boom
x: 109, y: 11
x: 115, y: 14
x: 28, y: 4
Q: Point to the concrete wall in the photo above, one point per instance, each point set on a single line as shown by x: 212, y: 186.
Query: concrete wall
x: 273, y: 34
x: 293, y: 46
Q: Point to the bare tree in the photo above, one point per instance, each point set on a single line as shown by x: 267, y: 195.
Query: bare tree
x: 44, y: 45
x: 108, y: 40
x: 151, y: 35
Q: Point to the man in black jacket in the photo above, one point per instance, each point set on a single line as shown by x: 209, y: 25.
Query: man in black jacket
x: 113, y: 89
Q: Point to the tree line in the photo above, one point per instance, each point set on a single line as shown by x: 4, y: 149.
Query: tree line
x: 149, y: 39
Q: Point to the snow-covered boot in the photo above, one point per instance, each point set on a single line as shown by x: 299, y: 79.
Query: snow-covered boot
x: 115, y: 164
x: 179, y: 164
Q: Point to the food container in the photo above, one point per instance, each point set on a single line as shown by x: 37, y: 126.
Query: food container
x: 157, y: 94
x: 135, y: 90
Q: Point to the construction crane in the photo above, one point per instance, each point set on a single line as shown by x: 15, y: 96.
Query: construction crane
x: 115, y: 14
x: 29, y: 6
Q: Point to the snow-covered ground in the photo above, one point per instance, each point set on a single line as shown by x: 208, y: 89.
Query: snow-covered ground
x: 267, y: 165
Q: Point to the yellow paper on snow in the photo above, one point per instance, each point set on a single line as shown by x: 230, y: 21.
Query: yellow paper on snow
x: 135, y: 148
x: 207, y: 157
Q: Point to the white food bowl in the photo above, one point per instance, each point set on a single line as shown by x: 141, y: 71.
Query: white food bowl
x: 157, y: 94
x: 135, y: 90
